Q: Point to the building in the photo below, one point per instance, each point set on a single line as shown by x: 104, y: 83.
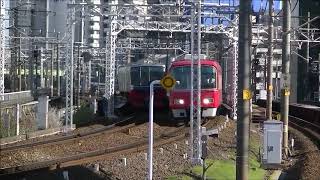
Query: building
x: 93, y: 34
x: 260, y: 49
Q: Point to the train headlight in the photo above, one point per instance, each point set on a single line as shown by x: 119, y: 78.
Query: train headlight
x: 207, y: 100
x: 179, y: 101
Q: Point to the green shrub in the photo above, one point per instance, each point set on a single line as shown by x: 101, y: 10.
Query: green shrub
x: 83, y: 115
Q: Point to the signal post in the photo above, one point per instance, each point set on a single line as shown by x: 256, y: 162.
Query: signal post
x: 167, y: 82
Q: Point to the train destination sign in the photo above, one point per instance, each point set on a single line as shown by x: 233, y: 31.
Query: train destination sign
x: 168, y: 82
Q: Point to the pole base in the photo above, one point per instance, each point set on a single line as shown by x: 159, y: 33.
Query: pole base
x: 196, y: 161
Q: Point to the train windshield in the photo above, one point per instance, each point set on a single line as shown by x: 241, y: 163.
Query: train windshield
x: 144, y: 75
x: 182, y: 74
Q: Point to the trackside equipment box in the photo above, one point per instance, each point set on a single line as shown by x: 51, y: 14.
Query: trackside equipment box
x: 272, y: 144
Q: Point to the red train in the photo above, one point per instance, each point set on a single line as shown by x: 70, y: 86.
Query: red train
x: 134, y: 83
x: 211, y: 87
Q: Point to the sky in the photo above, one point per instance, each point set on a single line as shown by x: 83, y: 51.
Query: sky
x: 257, y: 5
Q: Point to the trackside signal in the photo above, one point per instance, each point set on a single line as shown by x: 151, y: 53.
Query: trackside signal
x: 168, y: 82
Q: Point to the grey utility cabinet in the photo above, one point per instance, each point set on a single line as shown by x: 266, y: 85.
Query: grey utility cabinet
x: 272, y: 143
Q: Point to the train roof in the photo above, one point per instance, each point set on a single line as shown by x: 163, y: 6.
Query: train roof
x: 187, y: 62
x: 143, y: 64
x: 188, y: 56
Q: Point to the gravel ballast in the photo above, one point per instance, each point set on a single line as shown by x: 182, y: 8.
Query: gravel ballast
x: 170, y: 159
x: 50, y: 152
x: 305, y: 158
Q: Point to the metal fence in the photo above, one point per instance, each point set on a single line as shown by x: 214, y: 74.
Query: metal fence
x: 17, y: 119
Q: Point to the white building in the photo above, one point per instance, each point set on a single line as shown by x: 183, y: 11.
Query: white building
x: 92, y: 29
x: 57, y: 17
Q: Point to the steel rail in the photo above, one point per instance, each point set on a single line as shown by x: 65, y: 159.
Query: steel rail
x: 107, y: 153
x: 70, y: 138
x: 308, y: 128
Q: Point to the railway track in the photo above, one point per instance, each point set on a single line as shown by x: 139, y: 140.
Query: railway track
x: 140, y: 145
x: 310, y: 129
x: 72, y: 137
x: 83, y: 158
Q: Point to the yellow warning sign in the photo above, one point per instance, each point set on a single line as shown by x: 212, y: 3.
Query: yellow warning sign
x: 246, y: 94
x: 168, y: 82
x: 276, y: 116
x: 287, y: 92
x: 270, y: 87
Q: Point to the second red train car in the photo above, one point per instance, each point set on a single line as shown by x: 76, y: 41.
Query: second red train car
x: 211, y: 85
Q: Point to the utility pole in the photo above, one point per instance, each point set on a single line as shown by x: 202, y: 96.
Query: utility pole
x: 47, y: 83
x: 78, y: 77
x: 90, y: 72
x: 319, y: 77
x: 14, y: 50
x: 32, y: 55
x: 19, y: 64
x: 244, y: 93
x: 195, y: 94
x: 36, y: 64
x: 2, y: 58
x: 192, y: 92
x: 42, y: 59
x: 308, y: 51
x: 69, y: 65
x: 46, y: 69
x: 276, y: 88
x: 270, y: 60
x: 198, y: 123
x: 58, y: 68
x: 51, y: 71
x: 265, y: 72
x: 285, y: 88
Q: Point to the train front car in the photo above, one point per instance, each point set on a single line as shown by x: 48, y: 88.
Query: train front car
x: 211, y: 84
x: 134, y: 83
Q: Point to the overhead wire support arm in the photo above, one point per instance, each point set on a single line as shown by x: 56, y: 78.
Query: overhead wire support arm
x: 297, y: 28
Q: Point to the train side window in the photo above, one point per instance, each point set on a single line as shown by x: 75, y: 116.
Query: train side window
x: 156, y: 73
x: 144, y: 76
x: 135, y: 76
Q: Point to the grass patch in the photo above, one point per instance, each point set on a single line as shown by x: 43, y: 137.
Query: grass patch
x: 179, y: 177
x: 224, y: 170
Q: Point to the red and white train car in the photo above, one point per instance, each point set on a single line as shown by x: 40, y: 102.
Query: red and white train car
x: 211, y: 87
x: 134, y: 83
